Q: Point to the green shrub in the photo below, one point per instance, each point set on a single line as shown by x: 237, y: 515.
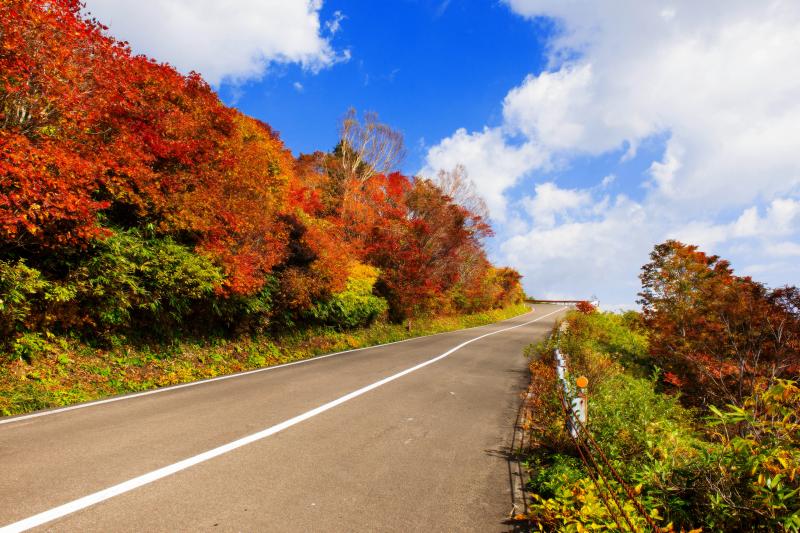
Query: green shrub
x: 634, y: 424
x: 242, y: 313
x: 649, y: 438
x: 549, y: 478
x: 29, y: 345
x: 356, y: 305
x: 154, y: 280
x: 566, y: 499
x: 755, y: 472
x: 617, y: 337
x: 20, y: 286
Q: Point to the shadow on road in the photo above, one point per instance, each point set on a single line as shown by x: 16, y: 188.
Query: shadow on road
x: 514, y: 454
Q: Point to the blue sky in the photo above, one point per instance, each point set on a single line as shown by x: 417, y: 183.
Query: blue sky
x: 427, y: 68
x: 594, y: 130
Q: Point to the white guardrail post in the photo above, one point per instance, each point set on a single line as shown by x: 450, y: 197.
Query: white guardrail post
x: 579, y: 402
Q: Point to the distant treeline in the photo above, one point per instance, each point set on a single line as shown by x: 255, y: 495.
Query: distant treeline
x: 132, y: 198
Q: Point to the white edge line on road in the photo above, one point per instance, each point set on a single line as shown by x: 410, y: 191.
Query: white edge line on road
x: 221, y: 378
x: 131, y: 484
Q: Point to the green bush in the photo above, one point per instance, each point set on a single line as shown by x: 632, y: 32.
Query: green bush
x: 356, y: 305
x: 653, y: 442
x: 755, y: 471
x: 153, y: 280
x: 549, y: 478
x: 618, y: 337
x: 635, y: 424
x: 29, y: 345
x: 241, y: 313
x: 20, y: 287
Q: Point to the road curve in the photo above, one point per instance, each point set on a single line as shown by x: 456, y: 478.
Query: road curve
x: 401, y: 437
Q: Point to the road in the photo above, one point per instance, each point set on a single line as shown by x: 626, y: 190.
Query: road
x: 410, y: 436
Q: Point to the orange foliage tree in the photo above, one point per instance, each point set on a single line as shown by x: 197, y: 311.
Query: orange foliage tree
x: 87, y: 128
x: 97, y: 143
x: 719, y: 337
x: 421, y: 243
x: 51, y: 68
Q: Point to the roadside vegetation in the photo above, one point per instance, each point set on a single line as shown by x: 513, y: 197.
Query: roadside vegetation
x: 145, y: 225
x: 64, y: 371
x: 694, y: 401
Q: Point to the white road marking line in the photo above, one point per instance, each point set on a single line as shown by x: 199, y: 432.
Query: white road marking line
x: 126, y: 486
x: 220, y: 378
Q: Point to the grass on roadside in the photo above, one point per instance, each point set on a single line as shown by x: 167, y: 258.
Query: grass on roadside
x: 722, y: 468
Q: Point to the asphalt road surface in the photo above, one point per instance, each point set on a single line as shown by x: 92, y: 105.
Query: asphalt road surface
x: 410, y: 436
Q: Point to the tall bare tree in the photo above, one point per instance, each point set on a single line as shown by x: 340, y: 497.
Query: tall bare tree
x: 368, y: 147
x: 461, y: 189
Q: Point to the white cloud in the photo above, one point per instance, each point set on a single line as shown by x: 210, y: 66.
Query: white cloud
x: 781, y: 219
x: 494, y: 165
x: 578, y: 258
x: 784, y: 249
x: 664, y: 171
x: 551, y: 201
x: 442, y: 8
x: 720, y: 80
x: 541, y: 107
x: 223, y: 41
x: 608, y: 180
x: 335, y: 24
x: 298, y: 86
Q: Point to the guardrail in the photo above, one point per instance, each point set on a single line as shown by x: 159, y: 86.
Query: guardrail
x: 574, y: 403
x: 579, y: 405
x: 595, y: 302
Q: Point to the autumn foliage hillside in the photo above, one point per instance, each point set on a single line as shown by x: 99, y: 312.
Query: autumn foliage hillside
x: 132, y: 199
x: 693, y: 407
